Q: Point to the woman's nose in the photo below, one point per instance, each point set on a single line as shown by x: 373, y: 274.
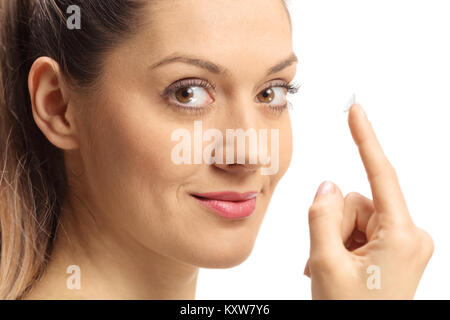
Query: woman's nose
x: 242, y: 148
x: 238, y: 167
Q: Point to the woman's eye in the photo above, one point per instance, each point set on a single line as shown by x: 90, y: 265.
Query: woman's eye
x: 192, y: 96
x: 273, y: 95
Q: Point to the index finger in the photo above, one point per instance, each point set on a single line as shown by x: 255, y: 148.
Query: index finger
x: 386, y: 192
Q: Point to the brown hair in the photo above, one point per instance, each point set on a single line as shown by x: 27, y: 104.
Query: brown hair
x: 33, y: 181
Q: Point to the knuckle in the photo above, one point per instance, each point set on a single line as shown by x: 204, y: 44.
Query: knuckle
x: 351, y: 195
x: 322, y: 262
x: 404, y: 240
x: 426, y: 242
x: 317, y: 210
x: 389, y: 169
x: 412, y: 242
x: 385, y: 171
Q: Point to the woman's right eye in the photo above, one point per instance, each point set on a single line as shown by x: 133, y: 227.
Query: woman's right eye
x: 193, y: 97
x: 189, y: 94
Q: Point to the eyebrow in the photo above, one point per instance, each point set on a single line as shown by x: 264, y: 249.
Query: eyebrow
x: 216, y: 68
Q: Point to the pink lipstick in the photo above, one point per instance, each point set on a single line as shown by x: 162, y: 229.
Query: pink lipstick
x: 229, y: 204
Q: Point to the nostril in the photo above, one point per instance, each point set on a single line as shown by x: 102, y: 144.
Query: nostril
x: 236, y: 167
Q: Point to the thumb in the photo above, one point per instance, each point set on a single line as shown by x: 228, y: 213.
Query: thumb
x: 325, y: 220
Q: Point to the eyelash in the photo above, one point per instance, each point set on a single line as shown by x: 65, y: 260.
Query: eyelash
x: 291, y: 88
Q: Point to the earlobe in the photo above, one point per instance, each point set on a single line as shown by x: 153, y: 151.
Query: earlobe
x: 49, y: 106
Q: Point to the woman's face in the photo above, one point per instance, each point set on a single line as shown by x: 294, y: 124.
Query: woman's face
x: 125, y: 131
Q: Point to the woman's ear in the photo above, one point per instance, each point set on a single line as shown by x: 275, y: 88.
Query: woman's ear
x: 49, y: 104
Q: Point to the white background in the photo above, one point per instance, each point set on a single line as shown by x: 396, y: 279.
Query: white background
x: 395, y: 56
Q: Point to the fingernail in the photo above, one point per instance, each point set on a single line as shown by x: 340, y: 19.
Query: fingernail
x: 325, y: 188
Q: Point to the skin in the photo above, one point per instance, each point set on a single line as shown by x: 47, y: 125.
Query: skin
x: 130, y: 222
x: 348, y: 235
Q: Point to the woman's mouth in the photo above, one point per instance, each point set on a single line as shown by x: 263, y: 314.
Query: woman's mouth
x: 229, y: 204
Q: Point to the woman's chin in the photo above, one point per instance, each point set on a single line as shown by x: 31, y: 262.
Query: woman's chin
x: 222, y: 255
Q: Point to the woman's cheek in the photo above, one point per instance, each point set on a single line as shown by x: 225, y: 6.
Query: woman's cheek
x: 148, y: 155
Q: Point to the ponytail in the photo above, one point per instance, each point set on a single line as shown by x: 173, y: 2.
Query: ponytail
x: 31, y: 183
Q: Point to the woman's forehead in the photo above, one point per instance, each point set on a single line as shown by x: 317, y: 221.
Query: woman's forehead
x: 223, y: 21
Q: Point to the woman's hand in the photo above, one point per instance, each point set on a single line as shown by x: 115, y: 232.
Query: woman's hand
x: 362, y: 248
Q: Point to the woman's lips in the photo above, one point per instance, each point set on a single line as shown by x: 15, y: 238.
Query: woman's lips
x: 229, y: 204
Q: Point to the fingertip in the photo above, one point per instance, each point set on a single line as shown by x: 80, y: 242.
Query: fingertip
x: 355, y: 110
x: 325, y: 188
x: 328, y: 188
x: 356, y: 118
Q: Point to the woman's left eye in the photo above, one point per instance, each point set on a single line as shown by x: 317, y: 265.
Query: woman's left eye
x: 273, y: 95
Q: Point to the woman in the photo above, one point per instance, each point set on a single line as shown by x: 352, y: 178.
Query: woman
x: 93, y: 93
